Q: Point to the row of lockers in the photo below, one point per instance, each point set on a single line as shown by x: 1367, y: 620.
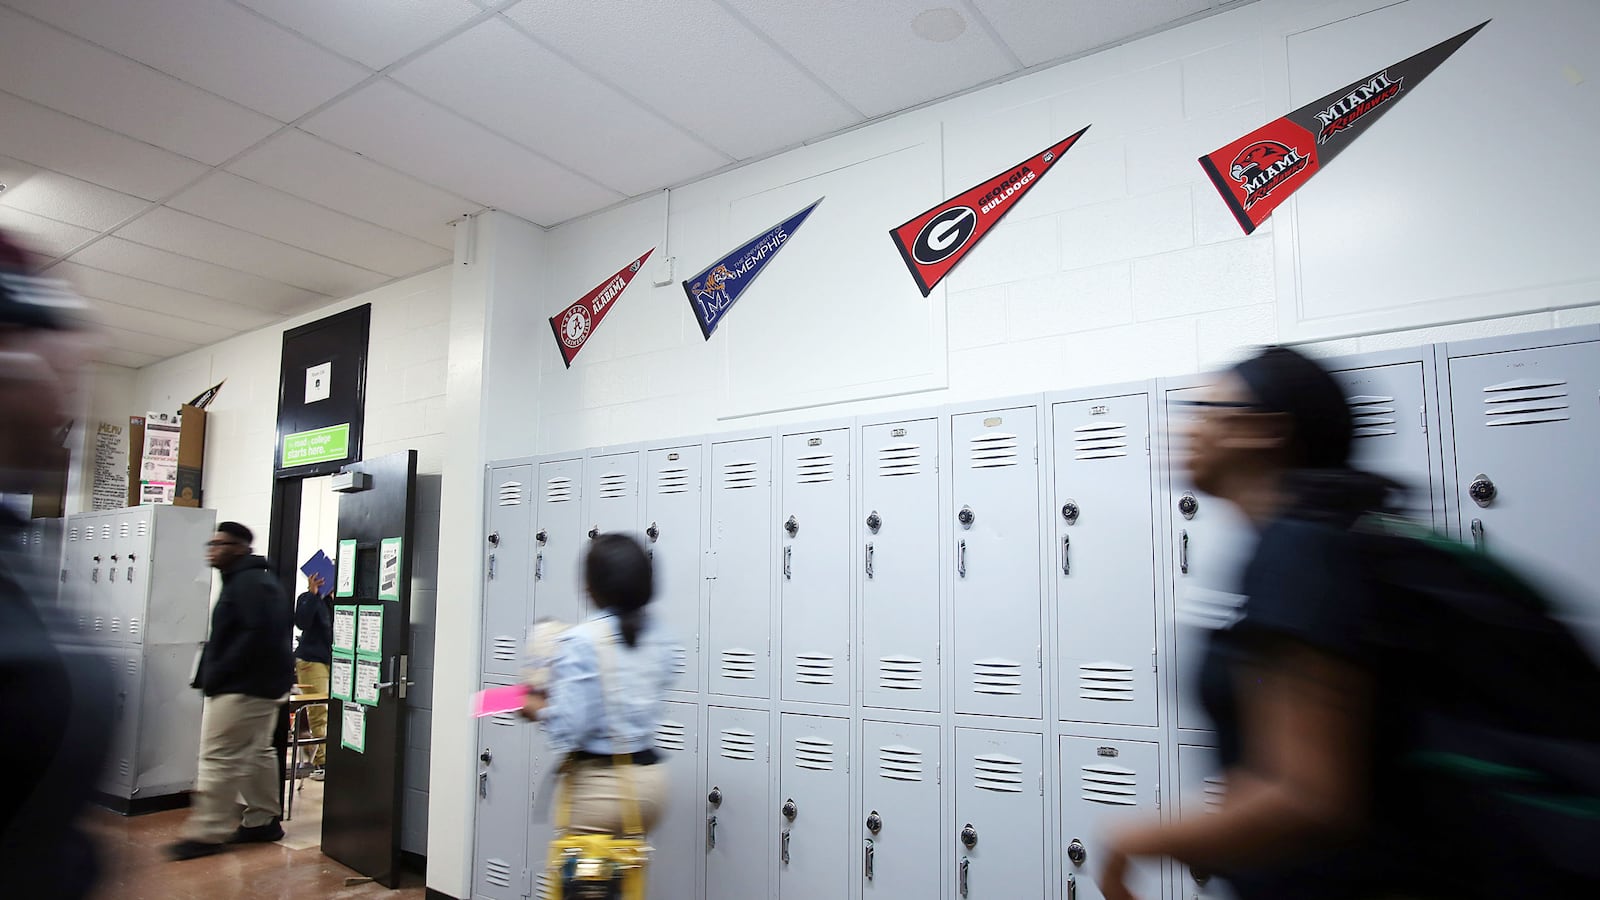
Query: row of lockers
x: 110, y: 560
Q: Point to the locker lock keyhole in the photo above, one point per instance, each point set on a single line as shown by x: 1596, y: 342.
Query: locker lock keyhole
x: 792, y: 526
x: 1077, y: 852
x: 486, y: 757
x: 1482, y: 490
x: 966, y: 517
x: 494, y: 538
x: 715, y: 797
x: 594, y: 532
x: 790, y: 810
x: 874, y: 521
x: 874, y: 822
x: 969, y: 837
x: 1069, y: 511
x: 653, y: 533
x: 543, y: 537
x: 1188, y: 505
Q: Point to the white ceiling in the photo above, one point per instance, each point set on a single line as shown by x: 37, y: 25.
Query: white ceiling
x: 201, y: 168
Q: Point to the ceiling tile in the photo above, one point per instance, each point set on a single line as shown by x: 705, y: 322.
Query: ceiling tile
x: 868, y: 53
x: 1039, y: 31
x: 248, y: 206
x: 656, y: 52
x: 138, y: 342
x: 495, y: 75
x: 299, y: 164
x: 44, y: 65
x: 44, y: 236
x: 142, y: 321
x: 369, y: 33
x: 220, y: 47
x: 62, y: 197
x: 128, y: 359
x: 389, y: 124
x: 45, y: 137
x: 161, y: 300
x: 179, y: 232
x: 124, y: 257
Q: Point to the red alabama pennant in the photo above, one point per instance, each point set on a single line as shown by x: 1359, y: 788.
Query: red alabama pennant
x: 574, y: 324
x: 934, y: 242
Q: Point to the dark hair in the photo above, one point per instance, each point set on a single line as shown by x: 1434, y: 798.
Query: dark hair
x: 619, y: 576
x: 234, y: 529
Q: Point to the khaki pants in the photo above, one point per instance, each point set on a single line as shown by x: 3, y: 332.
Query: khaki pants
x: 315, y: 675
x: 237, y: 762
x: 596, y: 794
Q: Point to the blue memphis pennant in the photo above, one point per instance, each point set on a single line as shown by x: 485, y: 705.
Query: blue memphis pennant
x: 714, y: 291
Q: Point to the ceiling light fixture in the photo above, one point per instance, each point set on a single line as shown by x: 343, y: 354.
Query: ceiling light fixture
x: 940, y: 25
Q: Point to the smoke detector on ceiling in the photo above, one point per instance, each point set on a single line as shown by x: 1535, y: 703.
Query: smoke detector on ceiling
x: 940, y: 25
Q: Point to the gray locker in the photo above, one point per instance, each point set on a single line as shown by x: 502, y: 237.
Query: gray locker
x: 559, y: 542
x: 739, y: 566
x: 1201, y: 788
x: 611, y: 487
x: 506, y: 579
x: 122, y: 764
x: 998, y: 650
x: 1105, y: 784
x: 1105, y: 561
x: 674, y: 869
x: 999, y: 830
x: 1389, y: 409
x: 504, y: 856
x: 672, y: 516
x: 901, y: 828
x: 899, y: 528
x: 739, y: 834
x: 544, y: 781
x: 815, y: 587
x: 814, y: 808
x: 74, y: 583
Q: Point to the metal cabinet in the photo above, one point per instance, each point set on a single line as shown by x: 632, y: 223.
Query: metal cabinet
x: 901, y: 812
x: 506, y: 578
x: 672, y: 532
x: 505, y: 858
x: 1104, y: 783
x: 1201, y: 787
x: 814, y: 588
x: 814, y: 807
x: 611, y: 493
x: 739, y: 567
x: 674, y: 869
x: 559, y: 541
x: 738, y: 807
x: 1000, y: 815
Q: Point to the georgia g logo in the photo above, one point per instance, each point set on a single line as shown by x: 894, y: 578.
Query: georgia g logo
x: 575, y: 326
x: 1264, y: 165
x: 944, y: 234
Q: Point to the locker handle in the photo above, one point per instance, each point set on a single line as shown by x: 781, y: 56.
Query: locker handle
x: 788, y: 563
x: 866, y: 858
x: 869, y: 559
x: 1183, y: 551
x: 1072, y: 886
x: 961, y: 558
x: 130, y: 572
x: 711, y: 832
x: 785, y: 847
x: 1479, y: 540
x: 1066, y: 555
x: 491, y: 567
x: 965, y: 865
x: 538, y: 567
x: 483, y: 785
x: 94, y: 576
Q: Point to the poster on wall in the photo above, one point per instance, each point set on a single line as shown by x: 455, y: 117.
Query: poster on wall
x: 342, y: 677
x: 714, y: 291
x: 1259, y: 171
x: 389, y: 568
x: 576, y: 323
x: 319, y: 382
x: 344, y: 629
x: 353, y: 734
x: 345, y: 585
x: 366, y: 689
x: 935, y: 241
x: 109, y: 489
x: 369, y: 633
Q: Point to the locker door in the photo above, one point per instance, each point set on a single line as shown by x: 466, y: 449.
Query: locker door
x: 900, y: 827
x: 503, y: 855
x: 899, y: 525
x: 544, y: 782
x: 505, y: 568
x: 74, y: 577
x: 119, y: 603
x: 123, y: 765
x: 559, y: 542
x: 999, y: 827
x: 814, y: 808
x: 1105, y: 561
x: 677, y: 837
x: 136, y: 534
x: 1387, y: 406
x: 1104, y: 784
x: 740, y: 568
x: 1200, y: 786
x: 672, y: 514
x: 815, y: 587
x: 739, y: 836
x: 1526, y: 425
x: 998, y: 649
x: 611, y: 485
x: 93, y: 621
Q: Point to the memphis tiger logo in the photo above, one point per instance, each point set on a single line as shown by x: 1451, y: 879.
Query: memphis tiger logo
x: 1264, y: 165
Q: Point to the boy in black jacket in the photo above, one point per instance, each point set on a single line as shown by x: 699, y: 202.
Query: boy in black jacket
x: 313, y: 615
x: 245, y: 671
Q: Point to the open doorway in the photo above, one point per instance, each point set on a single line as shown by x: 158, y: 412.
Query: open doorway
x: 318, y: 530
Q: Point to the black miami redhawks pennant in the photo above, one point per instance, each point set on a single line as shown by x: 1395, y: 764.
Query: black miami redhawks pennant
x: 1260, y: 170
x: 934, y: 242
x: 574, y: 324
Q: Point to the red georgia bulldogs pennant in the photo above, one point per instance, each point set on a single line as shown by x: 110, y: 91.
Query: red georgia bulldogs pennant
x: 934, y: 242
x: 1260, y: 170
x: 574, y: 324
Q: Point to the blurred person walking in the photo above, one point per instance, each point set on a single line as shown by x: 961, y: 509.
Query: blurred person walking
x: 313, y: 615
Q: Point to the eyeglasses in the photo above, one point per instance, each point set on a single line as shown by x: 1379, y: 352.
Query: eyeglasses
x: 213, y: 544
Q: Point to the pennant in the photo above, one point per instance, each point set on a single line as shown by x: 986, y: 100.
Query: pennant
x: 574, y: 324
x: 719, y: 285
x: 934, y: 242
x: 205, y: 397
x: 1259, y: 171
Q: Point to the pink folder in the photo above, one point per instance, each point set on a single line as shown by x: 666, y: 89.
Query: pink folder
x: 498, y: 700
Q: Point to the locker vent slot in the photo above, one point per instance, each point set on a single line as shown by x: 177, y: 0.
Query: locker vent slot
x: 994, y: 772
x: 740, y: 475
x: 673, y: 480
x: 133, y: 626
x: 507, y: 719
x: 543, y: 891
x: 558, y: 490
x: 613, y: 485
x: 511, y: 493
x: 88, y: 533
x: 672, y: 736
x: 124, y: 531
x: 125, y: 768
x: 1525, y: 401
x: 814, y: 753
x: 996, y: 676
x: 144, y: 528
x: 505, y: 649
x: 72, y: 535
x: 1105, y: 681
x: 133, y: 666
x: 900, y: 459
x: 900, y: 763
x: 38, y: 539
x: 738, y: 744
x: 99, y: 623
x: 105, y: 532
x: 993, y: 450
x: 1216, y: 787
x: 497, y: 872
x: 900, y: 673
x: 116, y: 624
x: 739, y: 664
x: 1372, y: 415
x: 813, y: 668
x: 680, y: 659
x: 814, y: 469
x: 1111, y: 785
x: 1102, y: 440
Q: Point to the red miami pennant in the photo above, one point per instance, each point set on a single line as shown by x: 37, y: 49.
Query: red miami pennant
x: 934, y: 242
x: 574, y: 324
x: 1259, y: 171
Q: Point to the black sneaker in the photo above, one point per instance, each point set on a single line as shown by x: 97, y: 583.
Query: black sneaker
x: 258, y: 834
x: 193, y: 849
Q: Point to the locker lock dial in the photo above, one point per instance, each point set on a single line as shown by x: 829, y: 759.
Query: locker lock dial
x: 1188, y: 505
x: 1482, y: 490
x: 594, y: 532
x: 1069, y: 511
x: 874, y: 521
x: 715, y: 797
x: 652, y: 532
x: 543, y: 537
x: 792, y: 526
x: 486, y: 757
x: 1077, y: 852
x: 969, y: 837
x: 494, y: 538
x: 790, y: 810
x: 874, y: 822
x: 965, y: 517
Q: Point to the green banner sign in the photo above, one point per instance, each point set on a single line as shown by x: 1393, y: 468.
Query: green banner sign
x: 329, y: 444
